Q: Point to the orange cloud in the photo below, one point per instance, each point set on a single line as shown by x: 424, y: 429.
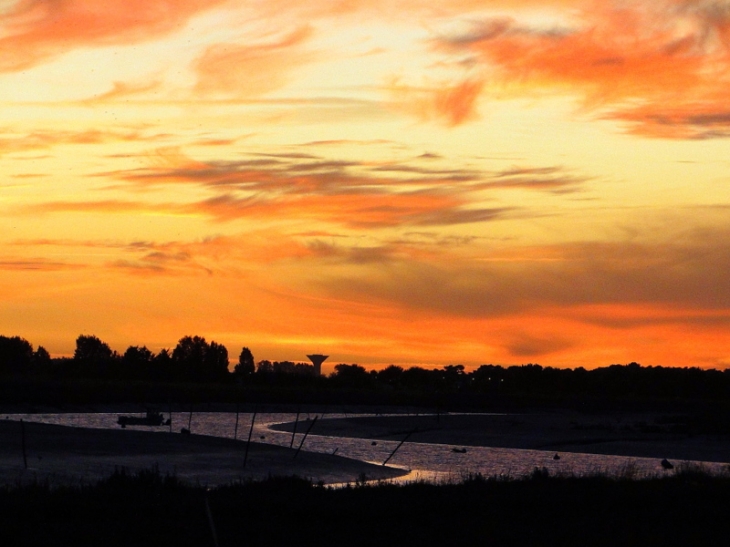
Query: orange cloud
x: 405, y: 9
x: 34, y: 31
x: 253, y: 69
x: 588, y: 304
x: 348, y: 193
x: 219, y: 254
x: 99, y: 206
x: 367, y: 211
x: 38, y: 264
x: 41, y: 140
x: 686, y: 275
x: 122, y: 90
x: 584, y: 304
x: 355, y: 211
x: 452, y: 104
x: 668, y: 57
x: 693, y: 120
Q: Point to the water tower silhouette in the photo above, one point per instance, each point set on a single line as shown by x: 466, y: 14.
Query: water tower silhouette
x: 317, y: 361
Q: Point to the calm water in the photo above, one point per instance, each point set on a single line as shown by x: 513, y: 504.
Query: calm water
x: 426, y: 461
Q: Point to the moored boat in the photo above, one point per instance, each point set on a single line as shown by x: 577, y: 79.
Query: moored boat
x: 150, y: 419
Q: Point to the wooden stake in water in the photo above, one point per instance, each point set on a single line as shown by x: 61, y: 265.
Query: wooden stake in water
x: 305, y: 436
x: 291, y: 444
x: 210, y: 521
x: 169, y: 419
x: 250, y: 432
x: 190, y: 418
x: 235, y: 430
x: 22, y: 442
x: 399, y: 445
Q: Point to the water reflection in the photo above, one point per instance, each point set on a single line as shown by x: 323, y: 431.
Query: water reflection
x: 430, y: 462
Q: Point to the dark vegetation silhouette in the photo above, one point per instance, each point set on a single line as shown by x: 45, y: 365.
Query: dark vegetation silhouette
x: 684, y: 507
x: 196, y: 370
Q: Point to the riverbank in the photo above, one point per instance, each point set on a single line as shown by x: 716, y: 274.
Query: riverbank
x: 69, y: 455
x: 621, y: 434
x: 683, y: 508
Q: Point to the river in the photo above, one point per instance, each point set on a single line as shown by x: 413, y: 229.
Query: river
x: 432, y: 462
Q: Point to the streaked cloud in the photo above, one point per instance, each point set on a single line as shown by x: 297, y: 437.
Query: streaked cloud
x: 14, y: 142
x: 251, y: 70
x: 310, y: 187
x: 34, y: 31
x: 669, y: 57
x: 671, y: 275
x: 452, y: 104
x: 38, y: 264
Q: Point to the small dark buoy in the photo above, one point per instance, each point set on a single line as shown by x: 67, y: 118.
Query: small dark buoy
x: 373, y: 443
x: 666, y: 464
x: 556, y: 457
x: 184, y: 431
x: 262, y: 437
x: 459, y: 450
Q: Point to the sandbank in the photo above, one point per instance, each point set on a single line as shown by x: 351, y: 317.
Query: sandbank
x: 70, y: 455
x: 633, y: 435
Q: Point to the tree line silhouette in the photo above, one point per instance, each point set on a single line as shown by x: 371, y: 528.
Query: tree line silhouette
x: 198, y: 362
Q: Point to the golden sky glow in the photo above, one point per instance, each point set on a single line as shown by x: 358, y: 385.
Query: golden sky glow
x: 419, y: 182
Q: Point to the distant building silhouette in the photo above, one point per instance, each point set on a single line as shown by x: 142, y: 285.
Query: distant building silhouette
x: 317, y: 361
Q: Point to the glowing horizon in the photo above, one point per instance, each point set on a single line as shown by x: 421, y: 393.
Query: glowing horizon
x: 415, y: 183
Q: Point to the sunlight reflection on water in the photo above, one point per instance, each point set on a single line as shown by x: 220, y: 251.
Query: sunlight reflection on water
x: 428, y: 462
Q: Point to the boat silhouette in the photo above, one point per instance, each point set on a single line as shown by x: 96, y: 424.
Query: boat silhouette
x: 150, y: 419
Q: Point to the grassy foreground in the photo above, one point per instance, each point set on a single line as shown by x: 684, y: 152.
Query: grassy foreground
x: 687, y: 507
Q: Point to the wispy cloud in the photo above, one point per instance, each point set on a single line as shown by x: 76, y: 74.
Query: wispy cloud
x: 450, y: 103
x: 684, y: 275
x: 251, y: 70
x: 34, y: 31
x: 36, y: 265
x: 13, y: 142
x: 671, y: 58
x: 346, y: 192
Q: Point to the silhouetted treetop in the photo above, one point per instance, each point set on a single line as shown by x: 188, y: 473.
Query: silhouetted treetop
x: 16, y: 355
x: 196, y: 360
x: 91, y: 349
x: 245, y: 366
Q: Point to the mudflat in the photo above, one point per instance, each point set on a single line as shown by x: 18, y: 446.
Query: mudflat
x: 71, y: 455
x: 633, y: 435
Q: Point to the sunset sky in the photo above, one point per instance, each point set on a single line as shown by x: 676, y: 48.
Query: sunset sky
x: 417, y: 182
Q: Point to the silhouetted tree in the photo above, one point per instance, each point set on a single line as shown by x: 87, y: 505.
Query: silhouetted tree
x: 390, y: 376
x: 292, y: 369
x: 92, y: 357
x: 245, y: 366
x: 352, y: 376
x: 136, y: 362
x: 16, y: 355
x: 283, y: 367
x: 216, y: 362
x: 90, y: 348
x: 420, y: 378
x: 41, y: 357
x: 161, y: 367
x: 264, y: 367
x: 194, y: 359
x: 453, y: 376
